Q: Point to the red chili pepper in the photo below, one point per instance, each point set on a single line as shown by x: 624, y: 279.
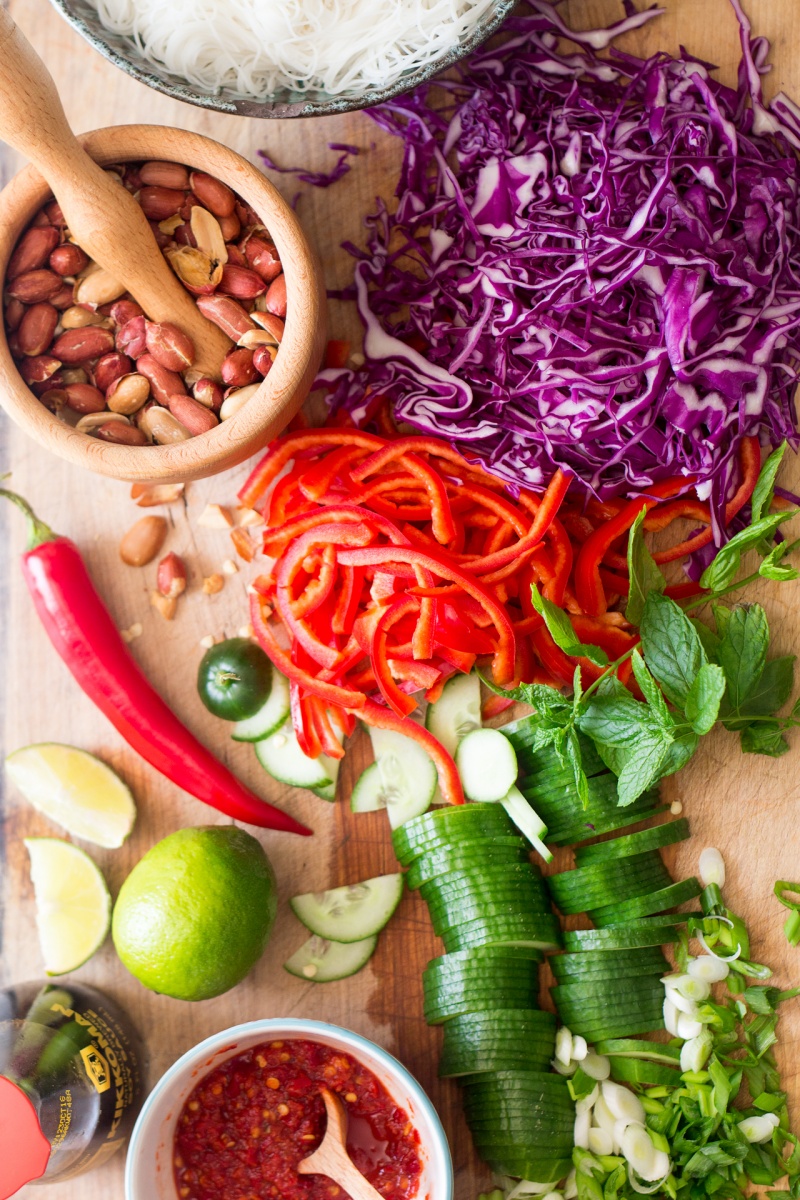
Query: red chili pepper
x: 82, y: 631
x: 381, y: 718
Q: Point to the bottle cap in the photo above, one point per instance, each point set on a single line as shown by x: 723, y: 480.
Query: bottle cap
x: 24, y: 1150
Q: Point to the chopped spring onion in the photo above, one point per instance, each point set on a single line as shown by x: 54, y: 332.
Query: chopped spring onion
x: 600, y: 1141
x: 564, y: 1046
x: 687, y: 1028
x: 759, y: 1129
x: 579, y: 1049
x: 711, y: 868
x: 596, y: 1066
x: 708, y: 969
x: 676, y: 996
x: 792, y: 925
x: 621, y: 1103
x: 638, y: 1149
x: 583, y: 1127
x: 670, y: 1017
x: 604, y: 1117
x: 695, y: 1052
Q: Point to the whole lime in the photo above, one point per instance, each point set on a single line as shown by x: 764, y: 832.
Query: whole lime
x: 195, y: 915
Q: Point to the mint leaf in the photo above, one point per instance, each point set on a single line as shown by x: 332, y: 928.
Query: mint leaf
x: 644, y: 573
x: 742, y: 653
x: 773, y: 567
x: 705, y: 695
x: 560, y: 629
x: 671, y: 645
x: 644, y: 766
x: 632, y: 738
x: 679, y: 753
x: 764, y: 491
x: 650, y: 690
x: 572, y: 753
x: 708, y: 639
x: 764, y: 738
x: 773, y: 688
x: 723, y: 569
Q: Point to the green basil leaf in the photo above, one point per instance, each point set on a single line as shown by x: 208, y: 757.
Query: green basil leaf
x: 773, y: 567
x: 644, y: 573
x: 705, y: 695
x: 742, y: 653
x: 560, y: 629
x: 672, y: 647
x: 723, y: 569
x: 764, y: 738
x: 644, y: 766
x: 763, y: 493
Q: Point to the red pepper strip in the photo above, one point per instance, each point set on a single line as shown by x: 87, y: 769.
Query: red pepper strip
x: 549, y: 505
x: 384, y: 421
x: 328, y: 740
x: 375, y: 555
x: 288, y: 446
x: 750, y: 465
x: 687, y: 508
x: 316, y: 480
x: 434, y: 693
x: 441, y: 517
x: 84, y: 635
x: 398, y: 700
x: 562, y: 554
x: 282, y: 659
x: 615, y: 584
x: 363, y: 678
x: 353, y: 653
x: 588, y: 585
x: 337, y: 353
x: 480, y: 520
x: 422, y: 641
x: 417, y: 673
x: 345, y: 720
x: 319, y: 589
x: 502, y: 535
x: 287, y: 500
x: 449, y: 781
x: 351, y: 583
x: 302, y: 724
x: 276, y: 541
x: 382, y: 588
x: 558, y: 664
x: 596, y: 632
x: 528, y: 625
x: 498, y: 505
x: 494, y: 705
x: 577, y: 526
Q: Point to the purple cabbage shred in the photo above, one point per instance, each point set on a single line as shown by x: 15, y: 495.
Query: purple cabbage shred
x: 321, y: 179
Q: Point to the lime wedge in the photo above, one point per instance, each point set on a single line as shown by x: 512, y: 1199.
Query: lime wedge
x: 76, y: 790
x: 73, y: 905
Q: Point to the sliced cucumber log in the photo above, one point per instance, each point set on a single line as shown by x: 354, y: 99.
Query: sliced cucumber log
x: 407, y: 775
x: 318, y: 961
x: 352, y: 913
x: 270, y: 716
x: 457, y: 711
x: 527, y: 821
x: 487, y: 765
x: 281, y: 756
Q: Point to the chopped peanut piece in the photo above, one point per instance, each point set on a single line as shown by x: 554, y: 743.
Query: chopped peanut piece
x: 229, y: 567
x: 213, y: 584
x: 214, y: 516
x: 243, y: 544
x: 208, y: 641
x: 146, y: 495
x: 166, y: 605
x: 250, y: 516
x: 245, y: 631
x: 130, y: 635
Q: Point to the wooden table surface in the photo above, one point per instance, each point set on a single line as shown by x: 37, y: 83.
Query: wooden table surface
x: 746, y: 806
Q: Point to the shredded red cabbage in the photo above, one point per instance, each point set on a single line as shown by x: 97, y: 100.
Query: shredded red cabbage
x: 594, y: 263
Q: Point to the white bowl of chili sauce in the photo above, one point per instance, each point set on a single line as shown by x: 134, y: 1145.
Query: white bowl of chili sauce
x: 235, y: 1114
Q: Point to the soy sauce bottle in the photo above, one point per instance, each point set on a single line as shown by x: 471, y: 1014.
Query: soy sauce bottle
x: 70, y: 1082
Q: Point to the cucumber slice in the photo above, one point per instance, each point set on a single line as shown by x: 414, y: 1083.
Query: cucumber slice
x: 656, y: 1052
x: 352, y: 913
x: 645, y: 906
x: 457, y: 711
x: 527, y: 821
x: 368, y: 794
x: 649, y: 1074
x: 487, y: 764
x: 326, y: 792
x: 281, y: 756
x: 649, y: 931
x: 408, y: 777
x: 654, y: 838
x: 318, y: 961
x: 270, y: 716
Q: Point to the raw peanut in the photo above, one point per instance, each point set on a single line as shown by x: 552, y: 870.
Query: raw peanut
x: 250, y: 516
x: 171, y: 225
x: 243, y: 544
x: 166, y: 605
x: 32, y: 251
x: 255, y: 338
x: 110, y: 368
x: 192, y: 415
x: 271, y: 324
x: 55, y: 381
x: 163, y: 383
x: 164, y: 175
x: 262, y: 256
x: 148, y: 494
x: 263, y: 358
x: 162, y: 239
x: 39, y: 369
x: 54, y: 214
x: 191, y: 202
x: 227, y: 314
x: 121, y: 434
x: 231, y: 227
x: 213, y: 584
x: 276, y: 297
x: 158, y: 203
x: 213, y: 194
x: 73, y: 375
x: 31, y: 287
x: 55, y: 399
x: 143, y: 541
x: 241, y: 283
x: 208, y: 234
x: 131, y: 337
x: 15, y: 311
x: 63, y: 299
x: 97, y: 287
x: 208, y: 393
x: 84, y: 398
x: 237, y: 368
x: 169, y: 346
x: 184, y: 235
x: 14, y: 346
x: 40, y: 219
x: 90, y: 423
x: 171, y: 576
x: 246, y: 214
x: 122, y: 311
x: 36, y: 329
x: 235, y: 255
x: 160, y: 425
x: 76, y: 346
x: 195, y: 270
x: 235, y: 401
x: 68, y: 259
x: 127, y: 394
x: 78, y: 318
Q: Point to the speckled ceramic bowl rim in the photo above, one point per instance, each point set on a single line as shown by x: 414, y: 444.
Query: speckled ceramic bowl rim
x: 279, y: 105
x: 438, y: 1153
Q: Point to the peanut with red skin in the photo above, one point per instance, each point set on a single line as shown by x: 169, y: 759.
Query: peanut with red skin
x: 231, y: 227
x: 171, y: 576
x: 36, y: 329
x: 184, y: 237
x: 241, y: 283
x: 227, y: 314
x: 83, y: 398
x: 32, y: 251
x: 39, y: 369
x: 121, y: 434
x: 164, y: 174
x: 192, y: 415
x: 68, y: 259
x: 15, y: 311
x: 63, y: 299
x: 131, y: 338
x: 276, y: 297
x: 76, y: 346
x: 122, y: 311
x: 213, y: 194
x: 262, y: 360
x: 54, y: 215
x: 31, y: 287
x: 110, y: 368
x: 158, y: 203
x: 169, y: 346
x: 208, y: 393
x: 163, y: 383
x: 237, y: 368
x: 262, y: 256
x: 143, y: 541
x: 235, y: 256
x: 55, y: 398
x: 272, y: 324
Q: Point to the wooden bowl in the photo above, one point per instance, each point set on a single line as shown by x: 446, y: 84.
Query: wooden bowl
x: 285, y: 387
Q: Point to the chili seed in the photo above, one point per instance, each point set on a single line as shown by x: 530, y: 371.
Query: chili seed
x: 273, y: 1083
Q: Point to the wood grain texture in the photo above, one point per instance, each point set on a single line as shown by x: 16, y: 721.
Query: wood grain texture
x: 745, y: 806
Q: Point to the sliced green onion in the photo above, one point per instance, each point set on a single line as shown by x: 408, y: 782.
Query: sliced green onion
x: 711, y: 868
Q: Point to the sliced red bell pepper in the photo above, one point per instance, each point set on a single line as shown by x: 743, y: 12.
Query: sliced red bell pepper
x: 288, y: 446
x: 319, y: 589
x: 337, y: 353
x: 420, y: 674
x: 382, y: 718
x: 440, y: 512
x: 398, y: 700
x: 494, y: 705
x: 548, y: 508
x: 302, y: 723
x: 316, y: 480
x: 350, y: 585
x: 328, y: 740
x: 276, y: 541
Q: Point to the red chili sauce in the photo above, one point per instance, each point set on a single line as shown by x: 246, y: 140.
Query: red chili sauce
x: 249, y: 1122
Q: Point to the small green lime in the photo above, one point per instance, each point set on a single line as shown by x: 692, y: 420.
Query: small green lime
x: 195, y: 915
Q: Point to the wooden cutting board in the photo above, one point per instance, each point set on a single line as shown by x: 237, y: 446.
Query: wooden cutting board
x: 746, y: 806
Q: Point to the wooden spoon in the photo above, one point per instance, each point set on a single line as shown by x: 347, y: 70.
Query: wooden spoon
x: 103, y: 218
x: 331, y: 1157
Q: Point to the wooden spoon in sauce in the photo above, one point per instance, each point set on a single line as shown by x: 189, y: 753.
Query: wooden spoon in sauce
x: 103, y: 218
x: 331, y: 1157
